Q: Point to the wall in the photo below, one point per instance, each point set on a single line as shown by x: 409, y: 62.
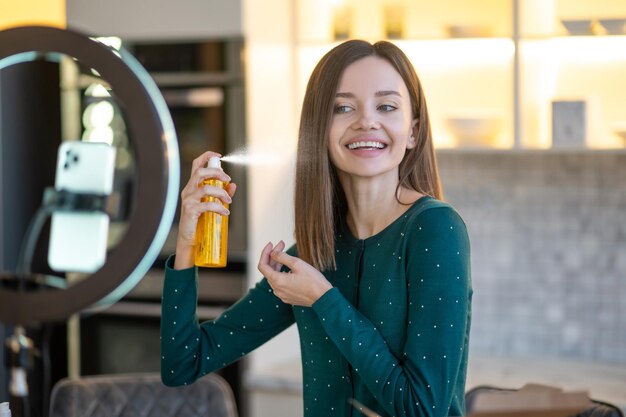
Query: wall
x: 548, y: 233
x: 156, y: 19
x: 32, y: 12
x: 272, y: 113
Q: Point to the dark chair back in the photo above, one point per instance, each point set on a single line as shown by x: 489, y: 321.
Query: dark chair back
x: 137, y: 395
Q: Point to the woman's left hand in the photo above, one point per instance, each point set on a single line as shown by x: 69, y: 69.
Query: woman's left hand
x: 303, y: 286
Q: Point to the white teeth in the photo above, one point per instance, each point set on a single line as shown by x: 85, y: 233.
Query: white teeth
x: 368, y: 144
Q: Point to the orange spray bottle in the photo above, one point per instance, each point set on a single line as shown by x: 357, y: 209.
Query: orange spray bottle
x: 212, y: 229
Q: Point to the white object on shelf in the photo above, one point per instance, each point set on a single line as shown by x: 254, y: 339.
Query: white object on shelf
x: 614, y: 26
x: 569, y: 123
x: 577, y: 26
x: 475, y: 129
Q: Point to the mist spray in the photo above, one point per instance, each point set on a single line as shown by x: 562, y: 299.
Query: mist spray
x: 212, y: 229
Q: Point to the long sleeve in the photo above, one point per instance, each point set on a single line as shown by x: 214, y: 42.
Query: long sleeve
x: 426, y: 378
x: 190, y: 350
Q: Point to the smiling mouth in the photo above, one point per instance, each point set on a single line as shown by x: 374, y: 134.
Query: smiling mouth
x: 366, y: 145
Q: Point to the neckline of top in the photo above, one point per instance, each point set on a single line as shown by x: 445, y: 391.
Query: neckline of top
x: 345, y: 235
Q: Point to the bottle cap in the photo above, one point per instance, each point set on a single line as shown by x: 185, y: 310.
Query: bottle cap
x: 214, y: 162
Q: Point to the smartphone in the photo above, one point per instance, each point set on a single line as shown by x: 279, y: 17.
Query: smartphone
x: 78, y: 239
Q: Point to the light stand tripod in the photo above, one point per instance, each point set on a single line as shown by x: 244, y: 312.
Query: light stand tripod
x: 20, y: 352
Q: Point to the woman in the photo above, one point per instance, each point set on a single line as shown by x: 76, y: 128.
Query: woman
x: 379, y: 279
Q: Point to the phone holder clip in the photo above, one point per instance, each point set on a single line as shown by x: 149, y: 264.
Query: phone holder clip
x: 63, y: 200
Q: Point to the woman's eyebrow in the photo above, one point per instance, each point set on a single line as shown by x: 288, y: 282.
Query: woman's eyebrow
x: 387, y: 93
x: 377, y: 94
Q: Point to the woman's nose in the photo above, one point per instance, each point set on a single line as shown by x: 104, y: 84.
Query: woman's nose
x: 366, y: 120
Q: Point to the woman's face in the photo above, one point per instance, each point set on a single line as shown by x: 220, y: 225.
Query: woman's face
x: 372, y: 124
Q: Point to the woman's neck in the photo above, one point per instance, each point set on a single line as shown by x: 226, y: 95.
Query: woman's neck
x: 372, y: 203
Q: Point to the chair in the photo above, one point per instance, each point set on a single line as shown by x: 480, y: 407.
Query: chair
x: 141, y: 395
x: 598, y: 409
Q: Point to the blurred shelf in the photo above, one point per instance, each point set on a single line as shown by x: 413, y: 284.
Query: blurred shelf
x: 516, y: 56
x: 530, y: 37
x: 565, y: 35
x: 556, y: 151
x: 182, y: 79
x: 333, y: 42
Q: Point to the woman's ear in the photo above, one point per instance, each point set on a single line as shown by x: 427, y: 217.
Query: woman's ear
x: 412, y: 142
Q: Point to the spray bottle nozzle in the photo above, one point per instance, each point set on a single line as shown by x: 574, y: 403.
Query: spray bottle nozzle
x: 214, y: 162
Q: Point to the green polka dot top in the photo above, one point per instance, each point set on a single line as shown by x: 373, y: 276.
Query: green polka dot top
x: 392, y: 333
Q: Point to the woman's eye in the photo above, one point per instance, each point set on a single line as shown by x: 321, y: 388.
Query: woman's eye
x: 386, y: 107
x: 342, y: 109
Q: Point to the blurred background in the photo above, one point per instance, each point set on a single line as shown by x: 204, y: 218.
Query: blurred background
x: 529, y: 121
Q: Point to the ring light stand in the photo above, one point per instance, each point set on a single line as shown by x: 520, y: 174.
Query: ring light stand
x: 158, y: 171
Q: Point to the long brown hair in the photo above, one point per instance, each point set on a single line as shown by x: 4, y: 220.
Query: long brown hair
x: 319, y: 198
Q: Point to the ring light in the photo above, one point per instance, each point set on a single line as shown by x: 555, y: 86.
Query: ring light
x: 158, y: 174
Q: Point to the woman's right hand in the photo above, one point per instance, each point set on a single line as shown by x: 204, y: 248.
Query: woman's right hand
x: 192, y: 206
